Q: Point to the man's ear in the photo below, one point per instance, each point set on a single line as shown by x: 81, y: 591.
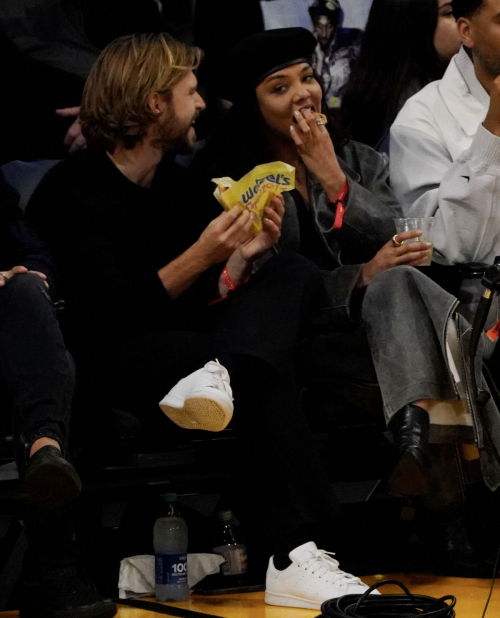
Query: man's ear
x: 156, y: 104
x: 466, y: 31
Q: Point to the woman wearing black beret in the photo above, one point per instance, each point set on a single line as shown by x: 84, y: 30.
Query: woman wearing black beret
x: 378, y: 313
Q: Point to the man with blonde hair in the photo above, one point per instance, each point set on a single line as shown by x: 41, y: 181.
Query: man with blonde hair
x: 157, y: 286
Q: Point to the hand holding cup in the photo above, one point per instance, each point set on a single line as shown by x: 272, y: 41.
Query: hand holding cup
x: 411, y: 250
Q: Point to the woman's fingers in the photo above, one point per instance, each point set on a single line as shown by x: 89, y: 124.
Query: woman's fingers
x: 312, y: 121
x: 301, y: 132
x: 272, y: 215
x: 272, y: 228
x: 402, y: 236
x: 419, y: 262
x: 278, y: 203
x: 243, y: 237
x: 295, y: 136
x: 414, y: 256
x: 411, y: 247
x: 301, y: 122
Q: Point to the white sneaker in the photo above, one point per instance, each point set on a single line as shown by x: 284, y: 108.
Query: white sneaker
x: 202, y: 400
x: 312, y: 578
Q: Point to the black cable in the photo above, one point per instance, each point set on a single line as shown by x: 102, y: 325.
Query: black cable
x: 495, y: 572
x: 388, y: 605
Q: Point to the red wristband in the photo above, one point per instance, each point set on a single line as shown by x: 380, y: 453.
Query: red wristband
x: 230, y: 283
x: 339, y: 202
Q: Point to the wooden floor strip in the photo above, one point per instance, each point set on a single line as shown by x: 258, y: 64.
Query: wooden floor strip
x: 471, y: 597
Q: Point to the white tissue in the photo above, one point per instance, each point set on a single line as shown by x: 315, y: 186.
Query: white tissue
x: 137, y: 573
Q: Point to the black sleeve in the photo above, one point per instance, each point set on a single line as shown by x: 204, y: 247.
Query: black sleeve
x: 107, y: 293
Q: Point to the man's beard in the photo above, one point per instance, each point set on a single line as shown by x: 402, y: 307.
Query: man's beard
x: 171, y: 137
x: 490, y: 63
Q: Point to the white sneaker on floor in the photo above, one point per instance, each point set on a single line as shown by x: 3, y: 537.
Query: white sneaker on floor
x: 202, y: 400
x: 312, y: 578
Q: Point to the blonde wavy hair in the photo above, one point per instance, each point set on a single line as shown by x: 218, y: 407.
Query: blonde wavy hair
x: 128, y: 71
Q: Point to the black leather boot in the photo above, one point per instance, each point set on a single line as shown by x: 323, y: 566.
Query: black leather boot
x: 410, y: 428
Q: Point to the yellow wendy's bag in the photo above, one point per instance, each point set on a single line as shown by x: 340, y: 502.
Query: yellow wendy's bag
x: 256, y: 189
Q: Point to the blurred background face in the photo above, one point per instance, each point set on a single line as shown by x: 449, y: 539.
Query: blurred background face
x: 446, y: 37
x: 324, y: 30
x: 286, y: 91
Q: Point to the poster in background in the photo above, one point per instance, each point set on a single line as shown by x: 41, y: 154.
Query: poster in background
x: 338, y: 29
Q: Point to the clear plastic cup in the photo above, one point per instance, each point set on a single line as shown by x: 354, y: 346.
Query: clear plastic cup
x: 426, y: 224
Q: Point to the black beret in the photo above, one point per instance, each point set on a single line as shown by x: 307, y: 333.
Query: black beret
x: 329, y: 8
x: 261, y: 54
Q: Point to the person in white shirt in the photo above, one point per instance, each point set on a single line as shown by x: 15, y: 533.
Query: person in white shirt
x: 445, y: 144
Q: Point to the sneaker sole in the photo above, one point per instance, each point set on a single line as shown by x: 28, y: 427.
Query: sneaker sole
x: 51, y: 486
x: 287, y: 600
x: 199, y: 413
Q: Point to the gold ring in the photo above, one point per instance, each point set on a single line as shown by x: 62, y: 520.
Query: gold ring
x: 395, y: 241
x: 320, y: 121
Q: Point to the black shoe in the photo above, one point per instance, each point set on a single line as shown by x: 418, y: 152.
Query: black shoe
x: 410, y: 427
x: 50, y: 481
x: 61, y: 594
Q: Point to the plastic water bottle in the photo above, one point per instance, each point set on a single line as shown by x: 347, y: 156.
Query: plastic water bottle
x: 231, y: 546
x: 170, y: 541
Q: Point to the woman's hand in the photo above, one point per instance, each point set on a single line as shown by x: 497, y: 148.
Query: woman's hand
x: 316, y: 150
x: 239, y: 265
x: 5, y: 275
x: 410, y: 254
x: 271, y: 231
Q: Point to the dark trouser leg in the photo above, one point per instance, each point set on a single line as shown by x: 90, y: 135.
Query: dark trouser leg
x: 34, y: 364
x: 50, y: 540
x: 268, y: 317
x: 266, y: 321
x: 282, y: 482
x: 405, y: 316
x: 140, y: 371
x: 344, y: 361
x: 283, y: 485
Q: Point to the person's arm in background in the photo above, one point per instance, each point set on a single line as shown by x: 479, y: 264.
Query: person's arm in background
x: 74, y: 138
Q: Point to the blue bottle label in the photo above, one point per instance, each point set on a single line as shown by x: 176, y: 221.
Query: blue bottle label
x: 171, y: 569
